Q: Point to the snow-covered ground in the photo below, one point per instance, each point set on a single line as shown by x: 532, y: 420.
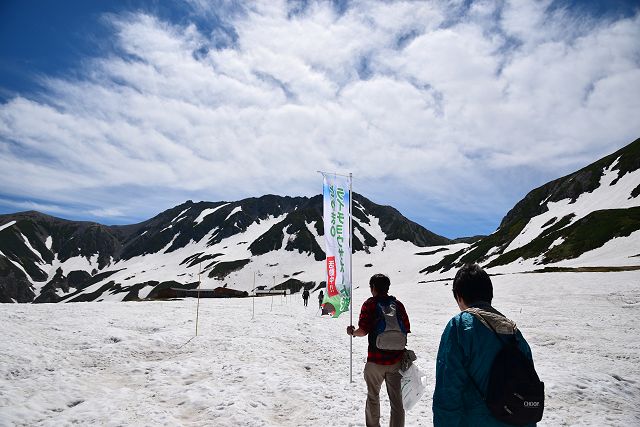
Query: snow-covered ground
x: 115, y: 363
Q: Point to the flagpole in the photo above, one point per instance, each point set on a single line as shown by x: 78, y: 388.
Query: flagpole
x: 350, y: 176
x: 198, y: 307
x: 351, y: 275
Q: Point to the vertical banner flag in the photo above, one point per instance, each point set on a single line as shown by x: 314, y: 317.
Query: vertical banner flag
x: 337, y: 234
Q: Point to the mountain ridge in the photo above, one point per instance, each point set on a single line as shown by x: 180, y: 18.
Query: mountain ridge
x: 37, y: 242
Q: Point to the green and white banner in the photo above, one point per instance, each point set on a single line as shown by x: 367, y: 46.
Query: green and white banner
x: 336, y: 194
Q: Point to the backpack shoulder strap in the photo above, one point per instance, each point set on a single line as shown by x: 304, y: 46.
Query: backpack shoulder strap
x: 473, y: 381
x: 484, y: 321
x: 481, y: 318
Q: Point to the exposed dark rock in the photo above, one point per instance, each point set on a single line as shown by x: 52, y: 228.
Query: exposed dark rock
x: 78, y: 278
x: 223, y: 269
x: 470, y: 239
x: 14, y: 286
x: 432, y: 252
x: 294, y: 285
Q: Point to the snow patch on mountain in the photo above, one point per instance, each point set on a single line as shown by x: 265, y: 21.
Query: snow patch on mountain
x: 233, y: 212
x: 491, y: 255
x: 287, y: 238
x: 7, y: 225
x: 35, y: 252
x: 556, y: 242
x: 518, y: 266
x: 375, y: 230
x: 179, y: 217
x: 166, y: 248
x: 312, y: 229
x: 73, y: 264
x: 611, y: 253
x: 208, y: 211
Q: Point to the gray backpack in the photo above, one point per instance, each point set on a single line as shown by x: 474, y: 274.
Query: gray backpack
x: 390, y: 331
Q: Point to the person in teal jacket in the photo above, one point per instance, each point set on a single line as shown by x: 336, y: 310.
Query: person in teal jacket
x: 467, y: 349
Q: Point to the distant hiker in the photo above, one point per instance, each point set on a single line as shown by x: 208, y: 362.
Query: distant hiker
x: 320, y: 298
x: 305, y: 297
x: 385, y: 320
x: 468, y: 391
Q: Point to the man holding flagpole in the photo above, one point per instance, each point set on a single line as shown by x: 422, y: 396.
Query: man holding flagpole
x: 386, y: 343
x: 385, y: 320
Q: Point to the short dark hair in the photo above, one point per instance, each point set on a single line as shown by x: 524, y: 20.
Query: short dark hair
x: 380, y: 283
x: 473, y: 284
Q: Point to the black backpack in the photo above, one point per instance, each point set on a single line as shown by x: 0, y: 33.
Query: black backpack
x: 515, y: 394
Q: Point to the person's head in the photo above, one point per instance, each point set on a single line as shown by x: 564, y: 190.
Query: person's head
x: 380, y: 283
x: 472, y: 284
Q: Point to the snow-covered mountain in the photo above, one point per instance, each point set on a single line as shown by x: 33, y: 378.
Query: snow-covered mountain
x: 269, y: 241
x: 588, y: 220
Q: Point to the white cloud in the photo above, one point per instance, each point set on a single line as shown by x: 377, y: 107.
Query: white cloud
x: 106, y: 213
x: 429, y: 110
x: 31, y: 205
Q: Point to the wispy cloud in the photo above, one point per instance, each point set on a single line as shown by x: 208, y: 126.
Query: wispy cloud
x: 29, y: 205
x: 435, y: 108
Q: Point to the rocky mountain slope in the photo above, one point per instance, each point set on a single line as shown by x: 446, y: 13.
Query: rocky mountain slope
x: 47, y: 259
x: 588, y: 219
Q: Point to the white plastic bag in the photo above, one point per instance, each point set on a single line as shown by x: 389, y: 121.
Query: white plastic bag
x: 413, y: 385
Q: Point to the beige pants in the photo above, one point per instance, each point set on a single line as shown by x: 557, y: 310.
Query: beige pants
x: 374, y: 375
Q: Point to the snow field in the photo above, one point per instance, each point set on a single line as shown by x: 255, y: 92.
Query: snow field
x: 115, y: 363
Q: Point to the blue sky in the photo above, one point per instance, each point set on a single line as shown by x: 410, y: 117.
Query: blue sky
x: 450, y: 111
